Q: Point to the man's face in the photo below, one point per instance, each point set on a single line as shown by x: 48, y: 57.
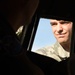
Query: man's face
x: 62, y: 30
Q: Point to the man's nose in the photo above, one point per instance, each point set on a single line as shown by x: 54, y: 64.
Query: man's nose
x: 59, y: 28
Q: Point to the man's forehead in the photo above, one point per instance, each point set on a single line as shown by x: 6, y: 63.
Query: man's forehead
x: 55, y: 20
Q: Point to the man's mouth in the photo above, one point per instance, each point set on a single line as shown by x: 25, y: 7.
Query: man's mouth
x: 61, y: 36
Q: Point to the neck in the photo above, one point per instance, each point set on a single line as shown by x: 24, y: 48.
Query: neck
x: 66, y: 46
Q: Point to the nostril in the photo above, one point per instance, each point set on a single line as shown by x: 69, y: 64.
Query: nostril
x: 59, y: 31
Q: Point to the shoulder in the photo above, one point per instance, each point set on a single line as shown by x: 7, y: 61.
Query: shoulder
x: 49, y: 48
x: 45, y: 50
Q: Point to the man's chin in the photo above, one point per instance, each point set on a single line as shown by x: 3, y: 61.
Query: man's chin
x: 62, y: 41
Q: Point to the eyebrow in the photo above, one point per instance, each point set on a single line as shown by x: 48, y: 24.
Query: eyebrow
x: 62, y: 21
x: 59, y: 21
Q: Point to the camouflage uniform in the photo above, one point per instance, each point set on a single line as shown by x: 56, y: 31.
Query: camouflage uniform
x: 54, y: 51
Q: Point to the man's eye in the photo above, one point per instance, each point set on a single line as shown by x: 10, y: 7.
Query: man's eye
x: 53, y: 24
x: 64, y: 22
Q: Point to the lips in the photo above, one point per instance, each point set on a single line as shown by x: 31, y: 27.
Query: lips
x: 61, y: 35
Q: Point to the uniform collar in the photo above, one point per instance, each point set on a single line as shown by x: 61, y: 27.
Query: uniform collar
x: 61, y: 51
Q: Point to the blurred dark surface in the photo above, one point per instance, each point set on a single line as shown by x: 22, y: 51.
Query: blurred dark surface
x: 57, y: 9
x: 49, y: 65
